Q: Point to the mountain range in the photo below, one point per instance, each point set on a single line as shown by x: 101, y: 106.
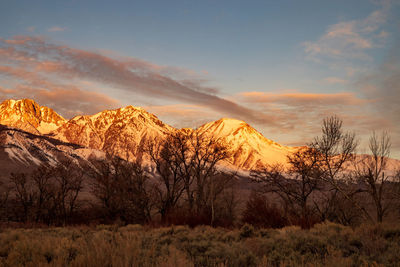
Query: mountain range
x: 32, y: 135
x: 117, y: 132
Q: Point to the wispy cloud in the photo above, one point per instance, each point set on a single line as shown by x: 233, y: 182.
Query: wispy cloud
x: 56, y: 29
x: 384, y: 84
x: 348, y: 40
x: 64, y: 78
x: 69, y: 100
x: 294, y: 98
x: 347, y: 46
x: 302, y: 113
x: 125, y: 73
x: 66, y: 100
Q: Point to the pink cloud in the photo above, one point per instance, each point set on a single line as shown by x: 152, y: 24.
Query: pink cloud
x: 128, y: 74
x: 350, y: 39
x: 302, y: 99
x: 56, y: 29
x: 68, y: 101
x: 301, y: 113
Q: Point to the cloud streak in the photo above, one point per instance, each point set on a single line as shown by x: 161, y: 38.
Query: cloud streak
x: 56, y: 29
x: 303, y: 99
x: 348, y: 40
x: 63, y: 78
x: 69, y: 100
x: 129, y: 74
x: 383, y: 84
x: 347, y: 46
x: 302, y: 113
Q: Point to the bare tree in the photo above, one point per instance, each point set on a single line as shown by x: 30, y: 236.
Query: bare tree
x: 224, y: 208
x: 209, y: 181
x: 44, y: 187
x: 169, y: 184
x: 371, y: 172
x: 295, y: 184
x: 180, y: 149
x: 4, y: 197
x: 24, y: 194
x: 219, y: 197
x: 333, y: 206
x: 260, y: 213
x: 102, y: 187
x: 49, y: 194
x: 134, y: 192
x: 122, y: 190
x: 186, y: 166
x: 336, y: 149
x: 67, y: 182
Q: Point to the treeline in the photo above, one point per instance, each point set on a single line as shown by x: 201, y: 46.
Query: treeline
x: 186, y: 184
x: 327, y: 180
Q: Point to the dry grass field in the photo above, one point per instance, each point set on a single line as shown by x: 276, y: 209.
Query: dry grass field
x: 325, y: 244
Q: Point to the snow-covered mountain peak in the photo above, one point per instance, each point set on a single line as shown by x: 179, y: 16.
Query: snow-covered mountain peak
x: 119, y: 132
x: 28, y: 115
x: 123, y: 131
x: 227, y: 126
x: 250, y: 148
x: 132, y: 108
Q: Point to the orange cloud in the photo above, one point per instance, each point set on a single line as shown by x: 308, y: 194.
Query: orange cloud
x: 68, y: 101
x: 56, y: 29
x: 129, y: 74
x: 178, y: 109
x: 301, y: 99
x: 302, y: 113
x: 65, y: 78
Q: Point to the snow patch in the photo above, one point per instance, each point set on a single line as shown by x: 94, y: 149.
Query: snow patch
x: 46, y: 127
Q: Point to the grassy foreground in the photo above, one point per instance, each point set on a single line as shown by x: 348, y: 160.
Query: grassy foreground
x: 134, y: 245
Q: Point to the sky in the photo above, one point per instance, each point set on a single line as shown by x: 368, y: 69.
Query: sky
x: 281, y: 66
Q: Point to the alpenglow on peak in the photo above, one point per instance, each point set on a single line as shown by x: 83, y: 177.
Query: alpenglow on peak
x: 28, y: 115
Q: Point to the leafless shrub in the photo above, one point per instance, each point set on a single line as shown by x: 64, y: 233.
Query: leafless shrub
x: 371, y: 172
x: 122, y: 190
x: 260, y: 213
x: 295, y: 184
x: 187, y: 174
x: 48, y: 195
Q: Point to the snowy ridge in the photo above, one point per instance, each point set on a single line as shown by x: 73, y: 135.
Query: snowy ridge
x: 119, y: 132
x: 250, y: 148
x: 27, y: 115
x: 24, y: 151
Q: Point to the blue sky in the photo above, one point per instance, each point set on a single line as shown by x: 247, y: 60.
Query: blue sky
x: 280, y: 65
